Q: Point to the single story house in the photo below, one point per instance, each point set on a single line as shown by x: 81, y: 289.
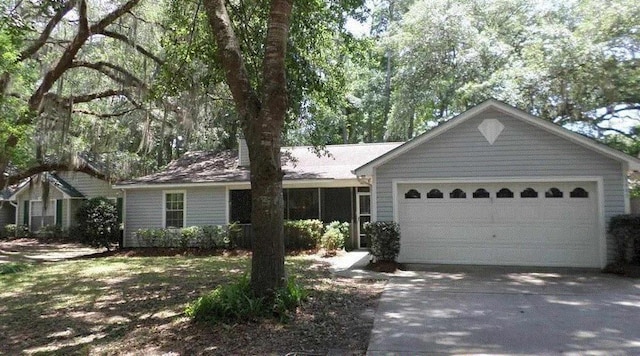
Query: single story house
x: 66, y: 192
x: 494, y: 185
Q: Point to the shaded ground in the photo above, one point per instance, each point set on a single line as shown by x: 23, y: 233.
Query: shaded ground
x: 32, y: 250
x: 122, y: 304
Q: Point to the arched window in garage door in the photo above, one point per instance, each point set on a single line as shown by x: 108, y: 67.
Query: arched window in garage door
x: 435, y: 194
x: 504, y: 193
x: 529, y: 193
x: 412, y: 194
x: 457, y: 194
x: 481, y: 193
x: 553, y: 193
x: 579, y: 193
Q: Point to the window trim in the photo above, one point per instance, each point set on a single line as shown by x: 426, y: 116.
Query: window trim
x: 164, y: 206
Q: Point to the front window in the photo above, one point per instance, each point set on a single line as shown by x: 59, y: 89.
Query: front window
x: 174, y: 210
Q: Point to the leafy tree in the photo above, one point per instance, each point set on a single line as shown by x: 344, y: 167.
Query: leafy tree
x: 259, y: 66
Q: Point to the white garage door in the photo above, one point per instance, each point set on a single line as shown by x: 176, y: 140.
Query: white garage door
x: 528, y: 224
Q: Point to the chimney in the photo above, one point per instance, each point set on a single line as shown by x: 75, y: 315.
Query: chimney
x: 243, y: 152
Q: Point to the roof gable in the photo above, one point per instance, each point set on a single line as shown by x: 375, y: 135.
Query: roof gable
x: 61, y: 185
x: 495, y: 105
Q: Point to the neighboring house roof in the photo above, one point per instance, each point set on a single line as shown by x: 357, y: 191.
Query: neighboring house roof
x: 57, y: 182
x: 299, y: 163
x: 8, y: 192
x: 493, y: 104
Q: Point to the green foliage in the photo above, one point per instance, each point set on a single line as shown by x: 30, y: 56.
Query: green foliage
x: 205, y: 237
x: 235, y: 302
x: 335, y: 236
x: 50, y: 232
x: 384, y: 239
x: 302, y: 234
x: 97, y: 221
x: 12, y: 230
x: 625, y: 230
x: 13, y: 267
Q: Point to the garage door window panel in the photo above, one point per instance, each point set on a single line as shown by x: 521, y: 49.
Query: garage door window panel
x: 435, y: 194
x: 553, y: 193
x: 504, y: 193
x: 579, y: 193
x: 412, y: 194
x: 529, y: 193
x: 481, y: 193
x: 457, y: 194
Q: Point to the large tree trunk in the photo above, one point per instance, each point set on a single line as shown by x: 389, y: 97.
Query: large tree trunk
x: 262, y: 119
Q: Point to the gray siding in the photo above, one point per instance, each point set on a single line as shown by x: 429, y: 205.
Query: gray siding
x: 144, y: 209
x: 521, y: 150
x: 90, y: 186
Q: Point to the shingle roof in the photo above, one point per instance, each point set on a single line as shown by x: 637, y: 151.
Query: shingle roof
x: 301, y: 162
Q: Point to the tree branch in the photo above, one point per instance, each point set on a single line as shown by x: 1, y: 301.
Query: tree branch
x: 82, y: 166
x: 67, y: 57
x: 115, y: 72
x: 85, y: 98
x: 230, y: 54
x: 46, y: 32
x: 131, y: 43
x: 103, y: 115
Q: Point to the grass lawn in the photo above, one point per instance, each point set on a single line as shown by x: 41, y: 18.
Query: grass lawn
x: 134, y: 305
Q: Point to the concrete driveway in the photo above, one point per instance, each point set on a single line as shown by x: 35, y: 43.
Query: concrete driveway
x: 481, y: 310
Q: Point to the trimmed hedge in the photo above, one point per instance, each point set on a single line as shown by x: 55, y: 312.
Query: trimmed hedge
x: 302, y: 234
x: 298, y: 235
x: 625, y: 230
x: 384, y: 239
x: 205, y: 237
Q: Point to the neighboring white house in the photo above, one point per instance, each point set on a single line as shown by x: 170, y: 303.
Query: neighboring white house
x: 66, y: 191
x: 493, y: 185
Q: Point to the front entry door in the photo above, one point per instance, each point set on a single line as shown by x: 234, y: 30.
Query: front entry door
x: 363, y: 208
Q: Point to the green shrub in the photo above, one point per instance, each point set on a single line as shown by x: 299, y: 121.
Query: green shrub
x: 302, y: 234
x: 384, y: 239
x: 49, y: 232
x: 335, y: 236
x: 205, y: 237
x: 12, y: 230
x: 189, y: 236
x: 97, y: 220
x: 625, y: 230
x: 236, y: 302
